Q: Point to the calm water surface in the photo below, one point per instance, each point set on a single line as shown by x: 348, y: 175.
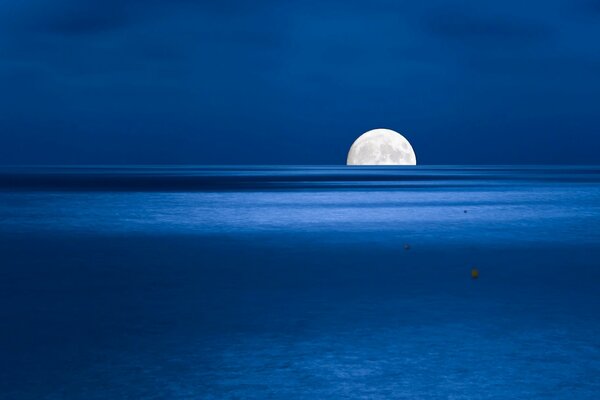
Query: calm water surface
x: 294, y: 283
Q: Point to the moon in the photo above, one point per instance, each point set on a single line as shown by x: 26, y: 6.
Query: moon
x: 381, y: 147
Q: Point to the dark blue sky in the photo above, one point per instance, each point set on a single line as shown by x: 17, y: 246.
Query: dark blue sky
x: 264, y: 81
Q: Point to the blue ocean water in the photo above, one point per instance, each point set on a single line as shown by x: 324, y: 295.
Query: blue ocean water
x: 295, y: 283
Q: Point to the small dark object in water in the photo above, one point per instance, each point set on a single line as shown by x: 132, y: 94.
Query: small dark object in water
x: 407, y: 247
x: 465, y: 211
x: 474, y: 273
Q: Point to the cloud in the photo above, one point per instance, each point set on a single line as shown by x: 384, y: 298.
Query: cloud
x: 66, y: 17
x: 591, y: 6
x: 481, y: 29
x: 84, y: 21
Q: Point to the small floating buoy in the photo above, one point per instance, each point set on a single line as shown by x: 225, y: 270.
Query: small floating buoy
x: 406, y: 246
x: 474, y: 273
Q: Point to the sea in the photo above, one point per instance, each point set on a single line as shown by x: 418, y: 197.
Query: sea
x: 300, y: 282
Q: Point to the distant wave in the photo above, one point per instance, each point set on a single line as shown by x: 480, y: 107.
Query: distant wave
x: 283, y: 177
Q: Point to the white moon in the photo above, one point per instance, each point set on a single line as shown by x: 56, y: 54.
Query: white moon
x: 381, y: 147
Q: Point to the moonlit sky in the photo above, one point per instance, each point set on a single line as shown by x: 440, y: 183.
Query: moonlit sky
x: 264, y: 81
